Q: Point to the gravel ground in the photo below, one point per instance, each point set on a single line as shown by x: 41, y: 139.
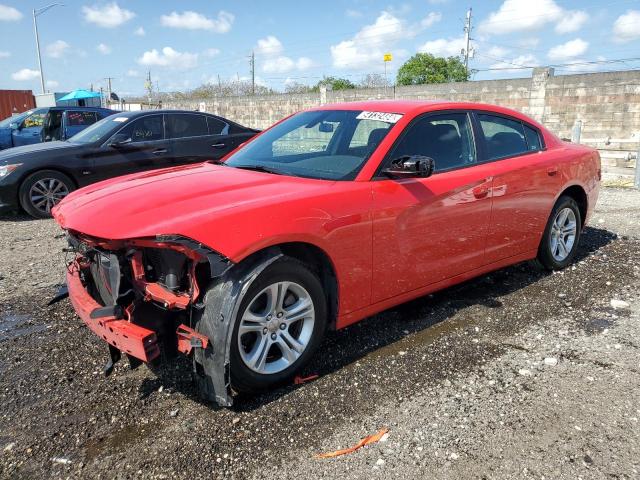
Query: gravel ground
x: 517, y: 374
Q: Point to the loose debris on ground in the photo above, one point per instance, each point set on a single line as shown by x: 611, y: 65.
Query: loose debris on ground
x: 517, y: 374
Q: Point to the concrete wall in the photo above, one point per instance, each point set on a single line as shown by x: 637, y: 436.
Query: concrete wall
x: 607, y: 104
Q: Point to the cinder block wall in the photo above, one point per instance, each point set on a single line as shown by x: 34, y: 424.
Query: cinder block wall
x: 607, y: 104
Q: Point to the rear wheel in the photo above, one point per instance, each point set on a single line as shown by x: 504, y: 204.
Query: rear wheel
x: 561, y: 236
x: 41, y: 191
x: 280, y: 324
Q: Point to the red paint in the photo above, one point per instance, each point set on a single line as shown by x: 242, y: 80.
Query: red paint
x: 388, y: 240
x: 185, y: 335
x: 132, y: 339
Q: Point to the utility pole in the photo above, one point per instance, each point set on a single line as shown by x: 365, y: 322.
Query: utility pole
x: 252, y: 64
x: 148, y: 85
x: 467, y: 40
x: 36, y: 13
x: 108, y: 79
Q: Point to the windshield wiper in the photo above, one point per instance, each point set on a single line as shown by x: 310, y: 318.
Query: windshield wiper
x: 259, y: 168
x: 217, y: 162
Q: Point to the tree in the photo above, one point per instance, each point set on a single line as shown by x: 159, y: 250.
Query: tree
x: 296, y: 87
x: 374, y: 80
x: 334, y: 83
x: 426, y: 68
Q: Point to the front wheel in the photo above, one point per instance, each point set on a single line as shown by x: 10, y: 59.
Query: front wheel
x: 561, y: 236
x: 280, y: 324
x: 41, y: 191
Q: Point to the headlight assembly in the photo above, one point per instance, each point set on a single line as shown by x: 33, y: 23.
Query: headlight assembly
x: 7, y: 169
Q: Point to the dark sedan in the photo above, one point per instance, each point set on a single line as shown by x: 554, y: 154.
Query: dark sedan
x: 36, y: 177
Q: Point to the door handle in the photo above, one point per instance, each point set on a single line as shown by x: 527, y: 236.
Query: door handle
x: 219, y: 145
x: 481, y: 192
x: 551, y: 171
x: 159, y: 151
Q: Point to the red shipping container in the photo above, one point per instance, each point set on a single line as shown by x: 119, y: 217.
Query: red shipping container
x: 15, y: 101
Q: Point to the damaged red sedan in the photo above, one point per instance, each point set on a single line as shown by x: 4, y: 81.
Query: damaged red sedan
x: 328, y: 217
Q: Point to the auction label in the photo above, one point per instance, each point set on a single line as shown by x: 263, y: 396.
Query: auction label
x: 120, y: 119
x: 381, y: 116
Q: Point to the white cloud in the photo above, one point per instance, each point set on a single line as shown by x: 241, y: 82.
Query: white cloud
x: 133, y: 73
x: 516, y: 64
x: 211, y: 52
x: 9, y: 14
x: 572, y: 21
x: 196, y: 21
x: 25, y: 74
x: 571, y: 49
x: 627, y: 27
x: 433, y: 17
x: 444, y: 47
x: 52, y: 84
x: 269, y: 46
x: 521, y: 15
x: 352, y: 14
x: 497, y: 52
x: 4, y: 54
x: 139, y: 32
x: 530, y: 43
x: 169, y: 58
x: 270, y: 49
x: 104, y: 49
x: 368, y: 46
x: 109, y: 15
x: 57, y: 49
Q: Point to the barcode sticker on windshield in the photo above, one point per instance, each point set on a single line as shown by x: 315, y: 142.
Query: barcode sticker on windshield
x: 120, y: 119
x: 380, y: 116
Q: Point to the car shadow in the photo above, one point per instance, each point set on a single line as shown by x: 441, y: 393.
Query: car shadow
x: 18, y: 217
x: 373, y: 334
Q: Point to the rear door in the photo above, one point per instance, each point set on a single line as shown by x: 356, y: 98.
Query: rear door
x: 191, y: 139
x: 426, y: 230
x: 75, y: 121
x: 143, y: 146
x: 525, y: 182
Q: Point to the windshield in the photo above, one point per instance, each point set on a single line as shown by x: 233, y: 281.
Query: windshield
x: 6, y: 123
x: 324, y: 144
x: 100, y: 130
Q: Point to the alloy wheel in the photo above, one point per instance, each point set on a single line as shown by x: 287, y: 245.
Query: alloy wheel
x: 563, y: 234
x: 276, y: 327
x: 46, y: 193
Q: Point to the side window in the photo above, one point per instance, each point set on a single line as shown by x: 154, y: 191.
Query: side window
x: 80, y: 119
x: 36, y: 119
x: 533, y: 138
x: 181, y: 125
x: 446, y: 138
x: 216, y: 127
x: 306, y: 139
x: 145, y: 129
x: 503, y: 137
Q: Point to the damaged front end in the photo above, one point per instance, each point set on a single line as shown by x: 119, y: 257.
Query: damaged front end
x: 144, y: 298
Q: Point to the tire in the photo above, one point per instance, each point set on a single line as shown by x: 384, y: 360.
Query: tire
x: 46, y: 186
x: 551, y: 254
x: 301, y: 287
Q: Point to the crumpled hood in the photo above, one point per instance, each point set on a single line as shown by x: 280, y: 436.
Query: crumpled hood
x: 172, y: 201
x: 23, y: 153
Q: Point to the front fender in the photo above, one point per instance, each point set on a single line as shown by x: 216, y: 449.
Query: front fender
x: 216, y: 320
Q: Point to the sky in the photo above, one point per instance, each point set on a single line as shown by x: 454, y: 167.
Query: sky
x: 185, y: 44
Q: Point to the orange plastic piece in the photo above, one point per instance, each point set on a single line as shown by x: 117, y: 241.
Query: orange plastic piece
x: 300, y: 380
x: 365, y: 441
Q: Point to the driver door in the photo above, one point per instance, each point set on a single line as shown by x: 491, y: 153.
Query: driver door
x: 426, y: 230
x: 28, y: 132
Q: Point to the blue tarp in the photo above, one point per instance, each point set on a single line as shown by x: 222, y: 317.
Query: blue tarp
x: 79, y: 95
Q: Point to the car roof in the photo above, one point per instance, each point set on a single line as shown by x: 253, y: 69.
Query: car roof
x: 162, y: 110
x: 420, y: 106
x: 71, y: 107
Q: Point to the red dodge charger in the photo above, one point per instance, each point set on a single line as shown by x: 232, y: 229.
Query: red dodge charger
x: 329, y: 216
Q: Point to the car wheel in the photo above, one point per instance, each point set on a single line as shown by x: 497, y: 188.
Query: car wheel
x: 561, y: 236
x: 281, y: 321
x: 41, y: 191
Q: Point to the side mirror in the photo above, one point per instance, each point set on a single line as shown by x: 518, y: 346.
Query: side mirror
x: 14, y: 126
x: 119, y: 140
x: 325, y: 127
x: 410, y: 166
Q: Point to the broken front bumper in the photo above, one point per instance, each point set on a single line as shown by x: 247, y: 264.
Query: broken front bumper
x: 136, y: 341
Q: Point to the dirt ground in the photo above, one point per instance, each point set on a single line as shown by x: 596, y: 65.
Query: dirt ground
x: 517, y: 374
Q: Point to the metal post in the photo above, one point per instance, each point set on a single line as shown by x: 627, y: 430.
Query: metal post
x: 467, y: 39
x: 637, y: 179
x: 35, y: 29
x: 576, y: 132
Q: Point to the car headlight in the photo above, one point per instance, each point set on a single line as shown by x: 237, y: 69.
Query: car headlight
x: 7, y: 169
